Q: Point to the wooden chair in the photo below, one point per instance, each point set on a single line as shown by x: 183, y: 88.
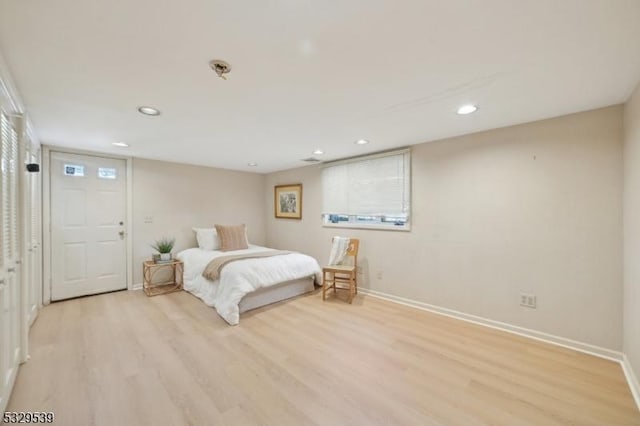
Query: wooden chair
x: 343, y: 274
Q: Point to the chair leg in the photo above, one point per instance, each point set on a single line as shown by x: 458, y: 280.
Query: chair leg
x: 324, y: 285
x: 352, y: 287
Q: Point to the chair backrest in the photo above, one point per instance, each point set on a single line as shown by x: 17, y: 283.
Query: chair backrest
x: 344, y: 251
x: 352, y: 250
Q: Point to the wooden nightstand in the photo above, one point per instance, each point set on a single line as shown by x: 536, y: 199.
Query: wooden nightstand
x: 149, y: 270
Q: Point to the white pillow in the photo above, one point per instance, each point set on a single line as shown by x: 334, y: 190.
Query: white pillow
x: 207, y: 238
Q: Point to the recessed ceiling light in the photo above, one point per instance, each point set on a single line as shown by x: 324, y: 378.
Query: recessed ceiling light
x: 147, y: 110
x: 318, y: 152
x: 252, y: 164
x: 120, y: 144
x: 467, y: 109
x: 361, y: 142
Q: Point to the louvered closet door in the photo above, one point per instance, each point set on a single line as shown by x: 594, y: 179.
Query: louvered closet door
x: 9, y: 246
x: 32, y: 260
x: 36, y: 240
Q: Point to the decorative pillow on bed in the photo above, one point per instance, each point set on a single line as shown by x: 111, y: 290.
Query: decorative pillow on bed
x: 207, y: 238
x: 232, y: 237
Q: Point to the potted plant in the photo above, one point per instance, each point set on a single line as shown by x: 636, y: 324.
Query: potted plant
x: 163, y: 246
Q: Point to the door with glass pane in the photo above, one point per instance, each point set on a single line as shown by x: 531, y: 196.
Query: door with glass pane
x: 88, y: 210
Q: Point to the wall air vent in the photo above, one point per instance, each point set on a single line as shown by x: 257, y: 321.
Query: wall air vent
x: 310, y: 160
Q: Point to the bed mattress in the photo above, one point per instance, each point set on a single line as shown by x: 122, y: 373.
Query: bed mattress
x: 240, y: 278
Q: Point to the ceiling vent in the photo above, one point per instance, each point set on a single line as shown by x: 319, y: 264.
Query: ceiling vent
x: 310, y: 160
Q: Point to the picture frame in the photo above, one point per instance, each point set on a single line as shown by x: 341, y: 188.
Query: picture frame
x: 287, y: 201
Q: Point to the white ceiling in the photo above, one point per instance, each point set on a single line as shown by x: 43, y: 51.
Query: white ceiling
x: 308, y: 74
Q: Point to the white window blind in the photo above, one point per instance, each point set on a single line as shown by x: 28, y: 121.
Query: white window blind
x: 368, y: 190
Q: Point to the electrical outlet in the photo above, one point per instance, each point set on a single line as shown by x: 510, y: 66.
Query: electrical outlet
x: 359, y: 269
x: 148, y: 219
x: 379, y: 275
x: 528, y: 300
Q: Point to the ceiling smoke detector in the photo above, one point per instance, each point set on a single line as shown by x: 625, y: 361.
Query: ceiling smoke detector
x: 220, y: 67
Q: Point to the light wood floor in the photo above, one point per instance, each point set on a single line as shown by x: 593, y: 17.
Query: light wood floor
x: 126, y: 359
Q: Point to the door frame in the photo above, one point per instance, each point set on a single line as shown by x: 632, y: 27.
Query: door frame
x: 46, y: 213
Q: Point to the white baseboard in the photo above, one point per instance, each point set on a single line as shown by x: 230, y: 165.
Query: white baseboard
x: 520, y: 331
x: 137, y: 286
x: 632, y: 379
x: 6, y: 392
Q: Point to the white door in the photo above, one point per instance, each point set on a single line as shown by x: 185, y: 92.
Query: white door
x: 88, y: 210
x: 9, y: 260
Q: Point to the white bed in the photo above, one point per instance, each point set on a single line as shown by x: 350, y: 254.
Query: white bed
x: 248, y: 283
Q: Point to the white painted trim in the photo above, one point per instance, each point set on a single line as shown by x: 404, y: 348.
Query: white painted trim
x: 4, y: 398
x: 11, y: 101
x: 34, y: 143
x: 9, y: 97
x: 351, y: 225
x: 46, y: 214
x: 513, y: 329
x: 46, y: 225
x: 365, y: 157
x: 129, y: 227
x: 137, y: 286
x: 632, y: 379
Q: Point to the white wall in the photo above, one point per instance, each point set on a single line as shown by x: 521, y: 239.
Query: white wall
x: 632, y: 230
x: 534, y: 208
x: 179, y: 197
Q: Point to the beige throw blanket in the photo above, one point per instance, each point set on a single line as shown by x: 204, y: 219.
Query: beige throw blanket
x: 212, y: 271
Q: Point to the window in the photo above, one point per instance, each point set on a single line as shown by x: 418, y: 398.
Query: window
x: 368, y: 192
x: 73, y: 170
x: 106, y: 173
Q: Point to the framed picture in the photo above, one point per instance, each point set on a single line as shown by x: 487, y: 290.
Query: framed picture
x: 288, y: 201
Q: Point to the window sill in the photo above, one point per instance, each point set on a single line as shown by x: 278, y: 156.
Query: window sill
x: 404, y: 228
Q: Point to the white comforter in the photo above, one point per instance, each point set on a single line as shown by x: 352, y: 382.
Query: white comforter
x: 241, y: 277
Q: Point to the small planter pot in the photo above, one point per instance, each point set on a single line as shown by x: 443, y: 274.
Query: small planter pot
x: 162, y: 257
